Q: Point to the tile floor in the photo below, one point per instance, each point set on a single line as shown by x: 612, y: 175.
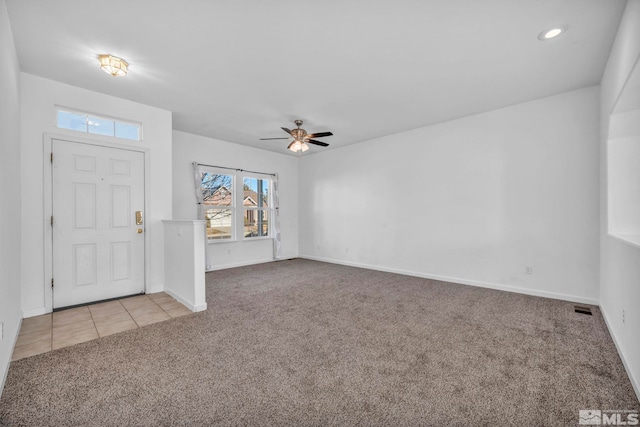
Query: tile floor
x: 68, y: 327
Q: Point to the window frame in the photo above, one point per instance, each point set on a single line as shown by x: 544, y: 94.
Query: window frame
x: 268, y: 210
x: 237, y: 208
x: 232, y: 207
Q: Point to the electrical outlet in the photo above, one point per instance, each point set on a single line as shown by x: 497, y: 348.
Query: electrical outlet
x: 346, y: 251
x: 528, y: 270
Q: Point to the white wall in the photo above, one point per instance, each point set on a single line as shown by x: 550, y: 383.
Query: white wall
x: 10, y: 218
x: 38, y: 100
x: 188, y: 148
x: 184, y: 255
x: 473, y: 200
x: 620, y: 261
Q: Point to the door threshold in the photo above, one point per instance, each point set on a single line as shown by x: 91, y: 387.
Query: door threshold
x: 69, y: 307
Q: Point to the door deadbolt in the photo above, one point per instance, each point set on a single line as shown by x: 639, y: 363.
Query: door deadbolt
x: 139, y: 219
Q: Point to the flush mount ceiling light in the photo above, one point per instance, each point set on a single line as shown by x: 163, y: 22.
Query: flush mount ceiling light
x: 552, y: 33
x: 113, y: 65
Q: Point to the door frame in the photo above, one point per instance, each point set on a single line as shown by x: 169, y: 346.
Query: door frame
x: 47, y: 189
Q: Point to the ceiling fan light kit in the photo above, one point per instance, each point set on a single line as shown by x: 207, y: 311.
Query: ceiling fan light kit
x: 301, y: 138
x: 296, y: 146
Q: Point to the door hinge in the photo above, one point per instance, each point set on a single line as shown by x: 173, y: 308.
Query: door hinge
x: 51, y: 219
x: 51, y: 157
x: 52, y: 282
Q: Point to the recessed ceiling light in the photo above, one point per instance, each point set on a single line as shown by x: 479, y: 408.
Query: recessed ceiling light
x: 551, y: 33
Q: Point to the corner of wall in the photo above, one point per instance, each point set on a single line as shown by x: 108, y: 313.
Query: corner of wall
x: 619, y: 261
x: 10, y: 194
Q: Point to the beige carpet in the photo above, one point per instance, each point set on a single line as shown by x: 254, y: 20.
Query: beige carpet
x: 307, y: 343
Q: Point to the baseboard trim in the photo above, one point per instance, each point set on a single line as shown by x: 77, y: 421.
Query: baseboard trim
x: 7, y: 365
x: 634, y: 381
x: 32, y: 312
x: 190, y: 306
x: 488, y: 285
x: 238, y: 264
x: 201, y: 307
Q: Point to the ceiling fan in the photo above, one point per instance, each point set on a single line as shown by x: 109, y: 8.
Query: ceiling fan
x: 301, y: 138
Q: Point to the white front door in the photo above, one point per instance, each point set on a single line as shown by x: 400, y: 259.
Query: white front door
x: 98, y: 247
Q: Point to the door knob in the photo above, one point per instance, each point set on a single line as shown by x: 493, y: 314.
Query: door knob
x: 139, y: 230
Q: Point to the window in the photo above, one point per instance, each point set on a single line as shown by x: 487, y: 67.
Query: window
x: 255, y: 204
x: 83, y: 122
x: 235, y: 206
x: 218, y: 205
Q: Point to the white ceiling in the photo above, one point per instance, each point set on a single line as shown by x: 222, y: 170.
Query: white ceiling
x: 239, y: 70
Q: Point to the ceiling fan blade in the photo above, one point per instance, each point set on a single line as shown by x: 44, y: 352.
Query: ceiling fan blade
x: 267, y: 139
x: 320, y: 143
x: 319, y: 134
x: 286, y: 130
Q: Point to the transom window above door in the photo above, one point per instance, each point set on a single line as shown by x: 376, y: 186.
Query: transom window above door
x: 89, y: 123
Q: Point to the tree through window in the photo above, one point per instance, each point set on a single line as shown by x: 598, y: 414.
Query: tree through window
x: 217, y: 195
